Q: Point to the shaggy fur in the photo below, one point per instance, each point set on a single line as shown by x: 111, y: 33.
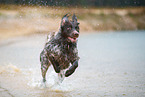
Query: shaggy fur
x: 61, y: 49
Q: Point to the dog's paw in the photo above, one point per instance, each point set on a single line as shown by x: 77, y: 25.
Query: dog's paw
x: 43, y: 84
x: 44, y: 80
x: 61, y: 76
x: 69, y: 72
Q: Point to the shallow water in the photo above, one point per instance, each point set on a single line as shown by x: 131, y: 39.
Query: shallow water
x: 111, y: 64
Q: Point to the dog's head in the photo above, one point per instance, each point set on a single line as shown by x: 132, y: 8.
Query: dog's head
x: 70, y: 28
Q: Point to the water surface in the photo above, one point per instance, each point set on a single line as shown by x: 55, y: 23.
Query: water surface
x: 111, y: 64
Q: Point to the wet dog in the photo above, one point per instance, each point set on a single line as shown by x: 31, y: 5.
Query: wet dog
x: 61, y: 49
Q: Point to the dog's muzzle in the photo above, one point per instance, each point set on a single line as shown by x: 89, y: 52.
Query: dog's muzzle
x: 75, y: 37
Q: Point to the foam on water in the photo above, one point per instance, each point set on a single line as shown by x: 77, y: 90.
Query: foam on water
x: 53, y: 83
x: 9, y: 69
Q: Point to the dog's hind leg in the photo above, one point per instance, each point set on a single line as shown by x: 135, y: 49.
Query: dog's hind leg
x: 44, y: 65
x: 44, y: 69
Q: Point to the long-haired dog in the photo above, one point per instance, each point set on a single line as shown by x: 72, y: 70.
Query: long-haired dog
x: 61, y: 49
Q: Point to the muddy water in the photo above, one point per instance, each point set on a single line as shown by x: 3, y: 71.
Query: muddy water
x: 111, y: 64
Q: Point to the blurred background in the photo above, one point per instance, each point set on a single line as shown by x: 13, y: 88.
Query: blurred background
x: 22, y: 17
x: 111, y: 48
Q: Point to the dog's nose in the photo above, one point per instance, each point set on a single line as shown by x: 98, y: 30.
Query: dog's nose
x: 76, y: 34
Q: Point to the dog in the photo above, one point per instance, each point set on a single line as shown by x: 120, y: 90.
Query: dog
x: 61, y: 49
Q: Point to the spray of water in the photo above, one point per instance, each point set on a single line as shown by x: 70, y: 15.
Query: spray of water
x: 54, y: 81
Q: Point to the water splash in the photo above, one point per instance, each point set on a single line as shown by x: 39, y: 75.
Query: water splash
x: 54, y: 81
x: 9, y: 69
x: 31, y: 78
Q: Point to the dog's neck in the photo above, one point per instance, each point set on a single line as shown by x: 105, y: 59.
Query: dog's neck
x: 64, y: 41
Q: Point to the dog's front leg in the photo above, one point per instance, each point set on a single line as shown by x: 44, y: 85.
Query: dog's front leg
x: 55, y: 64
x: 71, y: 69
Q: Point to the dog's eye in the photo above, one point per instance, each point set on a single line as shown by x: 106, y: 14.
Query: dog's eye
x: 69, y: 28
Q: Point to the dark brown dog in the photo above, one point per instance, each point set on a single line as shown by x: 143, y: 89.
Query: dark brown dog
x: 61, y: 49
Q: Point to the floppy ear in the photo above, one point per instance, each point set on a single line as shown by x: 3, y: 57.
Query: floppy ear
x: 74, y: 19
x: 64, y: 19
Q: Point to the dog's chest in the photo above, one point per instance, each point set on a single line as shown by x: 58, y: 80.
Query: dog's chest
x: 63, y: 54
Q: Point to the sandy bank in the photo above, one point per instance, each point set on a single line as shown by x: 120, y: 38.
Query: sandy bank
x: 24, y: 20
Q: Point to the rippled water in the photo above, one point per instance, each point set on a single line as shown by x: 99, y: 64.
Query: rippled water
x: 111, y: 64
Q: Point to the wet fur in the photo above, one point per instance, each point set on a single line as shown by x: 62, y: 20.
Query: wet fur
x: 60, y: 51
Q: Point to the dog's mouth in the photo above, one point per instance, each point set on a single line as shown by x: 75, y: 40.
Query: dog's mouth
x: 73, y: 39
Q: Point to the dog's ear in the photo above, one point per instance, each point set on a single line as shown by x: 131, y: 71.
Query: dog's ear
x: 74, y: 19
x: 64, y: 19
